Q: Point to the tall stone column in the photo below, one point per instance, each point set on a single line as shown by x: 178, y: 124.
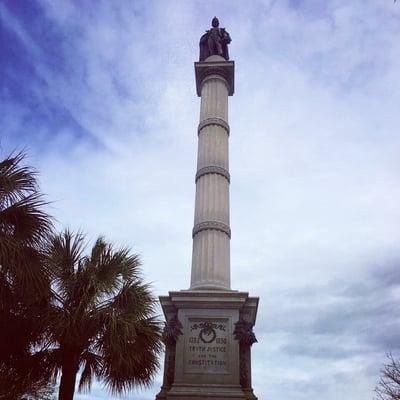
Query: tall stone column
x: 208, y: 331
x: 211, y: 231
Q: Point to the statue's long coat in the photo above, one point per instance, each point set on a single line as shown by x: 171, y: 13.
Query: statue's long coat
x: 204, y: 49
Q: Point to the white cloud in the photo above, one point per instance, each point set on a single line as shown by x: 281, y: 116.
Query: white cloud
x: 314, y: 160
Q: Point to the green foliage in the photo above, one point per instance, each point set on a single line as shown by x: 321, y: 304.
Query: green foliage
x: 61, y: 310
x: 102, y: 317
x: 24, y: 283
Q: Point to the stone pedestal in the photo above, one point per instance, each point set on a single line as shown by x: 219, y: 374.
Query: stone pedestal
x: 208, y: 340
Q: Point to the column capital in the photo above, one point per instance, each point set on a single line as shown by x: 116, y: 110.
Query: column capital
x: 218, y: 66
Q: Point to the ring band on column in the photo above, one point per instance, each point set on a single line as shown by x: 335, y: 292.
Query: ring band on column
x: 213, y: 169
x: 213, y: 121
x: 215, y: 225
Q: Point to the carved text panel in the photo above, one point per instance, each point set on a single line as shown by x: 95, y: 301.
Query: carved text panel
x: 207, y: 345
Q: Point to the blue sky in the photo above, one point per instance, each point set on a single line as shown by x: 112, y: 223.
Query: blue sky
x: 102, y: 95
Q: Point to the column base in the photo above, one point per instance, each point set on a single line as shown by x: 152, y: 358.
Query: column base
x: 205, y: 392
x: 208, y: 355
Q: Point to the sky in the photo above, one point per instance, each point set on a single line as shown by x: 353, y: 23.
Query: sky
x: 101, y: 95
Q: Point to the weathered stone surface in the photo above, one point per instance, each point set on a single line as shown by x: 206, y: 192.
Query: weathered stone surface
x: 208, y: 361
x: 211, y: 232
x: 208, y: 334
x: 212, y: 66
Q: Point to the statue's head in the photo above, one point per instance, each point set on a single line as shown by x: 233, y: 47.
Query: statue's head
x: 215, y: 22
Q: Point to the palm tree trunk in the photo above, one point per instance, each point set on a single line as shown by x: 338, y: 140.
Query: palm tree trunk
x: 68, y: 379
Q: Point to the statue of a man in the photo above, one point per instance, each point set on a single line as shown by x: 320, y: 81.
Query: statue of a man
x: 215, y: 42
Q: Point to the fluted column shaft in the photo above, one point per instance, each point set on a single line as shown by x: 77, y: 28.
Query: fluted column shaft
x: 211, y: 231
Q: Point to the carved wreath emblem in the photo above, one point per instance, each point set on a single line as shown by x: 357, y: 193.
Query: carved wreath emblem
x: 208, y: 332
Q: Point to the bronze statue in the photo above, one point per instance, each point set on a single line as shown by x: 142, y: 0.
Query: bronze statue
x: 214, y: 42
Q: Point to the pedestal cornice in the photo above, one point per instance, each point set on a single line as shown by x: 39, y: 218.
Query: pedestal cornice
x: 212, y: 299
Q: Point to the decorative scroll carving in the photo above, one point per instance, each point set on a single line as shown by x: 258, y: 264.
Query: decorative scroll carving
x: 243, y: 332
x: 170, y: 367
x: 172, y: 329
x: 244, y: 367
x: 213, y: 169
x: 216, y: 225
x: 213, y: 121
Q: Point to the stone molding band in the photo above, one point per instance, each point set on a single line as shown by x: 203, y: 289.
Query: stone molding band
x: 213, y: 121
x: 213, y: 169
x: 215, y: 225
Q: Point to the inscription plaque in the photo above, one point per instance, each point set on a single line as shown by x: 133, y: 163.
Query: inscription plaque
x: 207, y: 344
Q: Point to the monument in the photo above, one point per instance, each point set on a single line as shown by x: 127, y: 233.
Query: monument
x: 208, y: 332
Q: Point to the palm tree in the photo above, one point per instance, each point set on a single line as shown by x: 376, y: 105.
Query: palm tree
x: 102, y: 320
x: 24, y: 227
x: 24, y: 282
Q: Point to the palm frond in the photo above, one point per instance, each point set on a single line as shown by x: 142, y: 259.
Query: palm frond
x: 24, y: 227
x: 133, y: 298
x: 25, y: 219
x: 16, y: 180
x: 64, y: 257
x: 139, y: 362
x: 53, y: 360
x: 98, y: 249
x: 24, y: 286
x: 112, y: 267
x: 91, y: 367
